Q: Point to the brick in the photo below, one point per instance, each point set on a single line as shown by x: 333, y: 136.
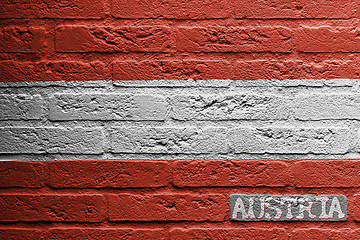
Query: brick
x: 228, y: 233
x: 327, y: 106
x: 21, y: 233
x: 229, y: 107
x: 234, y: 39
x: 175, y: 84
x: 265, y: 69
x: 105, y: 106
x: 291, y: 140
x: 167, y: 207
x: 78, y: 9
x: 271, y: 69
x: 51, y: 140
x: 21, y: 106
x: 230, y: 173
x: 300, y: 9
x: 168, y: 140
x: 323, y: 233
x: 55, y: 208
x: 111, y: 39
x: 113, y: 173
x: 21, y: 39
x: 171, y: 69
x: 328, y: 69
x: 23, y: 174
x: 327, y: 39
x: 185, y: 9
x: 15, y: 71
x: 356, y: 207
x: 326, y: 173
x: 107, y: 233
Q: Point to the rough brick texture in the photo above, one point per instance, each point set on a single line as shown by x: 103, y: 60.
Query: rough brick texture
x: 152, y: 193
x: 107, y: 107
x: 15, y: 71
x: 234, y: 39
x: 171, y: 69
x: 23, y: 174
x: 167, y: 207
x: 51, y: 140
x: 185, y: 9
x: 21, y: 233
x: 78, y: 9
x: 147, y: 40
x: 55, y: 208
x: 316, y: 233
x: 19, y: 39
x: 329, y: 39
x: 229, y: 107
x: 107, y: 233
x: 219, y: 233
x: 20, y: 106
x: 290, y: 140
x: 302, y: 9
x: 117, y: 174
x: 224, y: 173
x: 136, y: 119
x: 329, y: 173
x: 169, y: 140
x: 106, y: 39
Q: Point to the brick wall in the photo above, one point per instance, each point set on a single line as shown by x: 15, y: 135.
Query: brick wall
x: 241, y: 96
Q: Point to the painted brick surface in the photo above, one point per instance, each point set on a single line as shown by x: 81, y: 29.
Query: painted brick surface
x: 51, y: 9
x: 230, y: 107
x: 107, y: 233
x: 171, y: 69
x: 198, y: 9
x: 325, y: 233
x: 55, y: 208
x: 161, y: 191
x: 318, y: 9
x: 169, y: 140
x: 230, y: 173
x: 332, y: 106
x: 295, y: 69
x: 167, y: 207
x: 116, y: 174
x: 19, y: 233
x: 290, y: 140
x: 105, y: 39
x: 14, y: 71
x: 51, y: 140
x: 238, y: 39
x: 326, y: 173
x: 18, y: 39
x: 23, y: 174
x: 249, y: 97
x: 107, y: 107
x: 228, y: 233
x: 21, y: 106
x: 329, y: 39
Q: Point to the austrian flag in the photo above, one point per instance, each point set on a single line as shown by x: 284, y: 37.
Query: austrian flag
x: 179, y: 119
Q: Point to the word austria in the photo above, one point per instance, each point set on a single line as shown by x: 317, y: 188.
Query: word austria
x: 288, y: 208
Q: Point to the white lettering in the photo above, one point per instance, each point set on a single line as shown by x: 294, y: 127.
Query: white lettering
x: 336, y: 207
x: 240, y: 208
x: 323, y: 201
x: 304, y: 208
x: 274, y: 208
x: 290, y: 201
x: 287, y: 207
